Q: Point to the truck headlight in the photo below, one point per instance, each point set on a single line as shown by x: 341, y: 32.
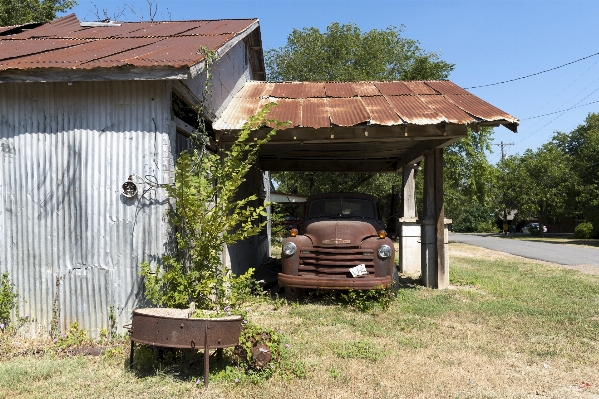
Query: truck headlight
x: 289, y: 248
x: 384, y: 251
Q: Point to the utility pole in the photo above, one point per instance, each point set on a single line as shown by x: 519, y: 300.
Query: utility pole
x: 504, y: 156
x: 503, y: 145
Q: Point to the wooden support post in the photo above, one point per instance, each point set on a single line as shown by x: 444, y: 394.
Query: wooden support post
x: 206, y: 358
x: 435, y: 263
x: 409, y: 230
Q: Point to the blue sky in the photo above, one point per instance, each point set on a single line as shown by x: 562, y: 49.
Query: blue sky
x: 488, y: 41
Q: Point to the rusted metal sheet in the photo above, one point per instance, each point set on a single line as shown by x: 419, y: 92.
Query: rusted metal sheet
x: 173, y: 44
x: 287, y: 110
x: 256, y: 90
x: 298, y: 90
x: 446, y: 87
x: 419, y: 87
x: 394, y: 88
x: 222, y: 27
x: 447, y: 109
x: 315, y: 113
x: 238, y: 112
x: 74, y: 56
x: 340, y: 89
x: 366, y: 89
x: 381, y: 113
x: 17, y: 48
x: 347, y: 111
x: 412, y: 110
x: 60, y: 27
x: 172, y: 328
x: 68, y: 238
x: 479, y: 108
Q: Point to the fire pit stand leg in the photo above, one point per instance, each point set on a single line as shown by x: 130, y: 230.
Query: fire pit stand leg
x: 131, y: 354
x: 206, y: 358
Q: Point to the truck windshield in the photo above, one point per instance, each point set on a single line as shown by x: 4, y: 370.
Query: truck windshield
x: 341, y: 207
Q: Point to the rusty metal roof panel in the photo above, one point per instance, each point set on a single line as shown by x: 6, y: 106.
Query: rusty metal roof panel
x: 315, y: 113
x: 394, y: 88
x: 74, y: 56
x: 420, y: 87
x: 347, y: 111
x: 256, y: 90
x: 340, y: 89
x: 162, y: 52
x: 238, y: 112
x: 479, y: 108
x: 365, y: 89
x: 17, y: 48
x: 104, y: 32
x: 381, y: 113
x: 160, y: 29
x: 412, y: 110
x: 287, y: 110
x: 298, y: 90
x: 446, y: 87
x: 57, y: 28
x: 221, y: 27
x: 447, y: 109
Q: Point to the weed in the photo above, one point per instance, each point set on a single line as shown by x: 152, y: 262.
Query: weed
x: 8, y: 301
x: 363, y: 349
x: 74, y: 337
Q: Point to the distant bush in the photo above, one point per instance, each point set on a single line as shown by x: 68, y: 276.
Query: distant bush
x: 584, y: 230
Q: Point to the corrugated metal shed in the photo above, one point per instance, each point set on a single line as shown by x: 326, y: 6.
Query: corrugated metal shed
x: 68, y: 43
x: 66, y: 232
x: 375, y: 103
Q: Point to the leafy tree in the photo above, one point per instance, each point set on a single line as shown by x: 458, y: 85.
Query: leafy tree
x: 345, y: 53
x: 582, y: 147
x: 469, y: 183
x: 537, y: 183
x: 17, y: 12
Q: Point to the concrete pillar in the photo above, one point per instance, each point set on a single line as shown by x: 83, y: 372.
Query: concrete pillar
x: 409, y: 229
x: 435, y: 256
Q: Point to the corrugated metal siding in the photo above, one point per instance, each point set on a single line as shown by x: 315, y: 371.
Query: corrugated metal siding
x: 65, y: 228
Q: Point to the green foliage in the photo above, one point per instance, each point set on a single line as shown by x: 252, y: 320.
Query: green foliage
x: 17, y: 12
x: 363, y: 349
x: 72, y: 338
x: 207, y: 215
x: 537, y: 184
x: 8, y: 300
x: 345, y: 53
x: 364, y: 300
x: 469, y: 183
x: 584, y: 230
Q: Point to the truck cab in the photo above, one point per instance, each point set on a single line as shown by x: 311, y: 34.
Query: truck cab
x: 341, y: 245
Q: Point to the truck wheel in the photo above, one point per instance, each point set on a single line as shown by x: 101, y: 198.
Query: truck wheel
x: 293, y: 294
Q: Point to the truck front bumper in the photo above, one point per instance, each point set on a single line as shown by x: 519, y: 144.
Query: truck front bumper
x: 334, y: 283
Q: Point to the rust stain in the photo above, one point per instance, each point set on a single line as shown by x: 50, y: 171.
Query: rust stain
x: 394, y: 88
x: 446, y: 87
x: 479, y: 108
x: 447, y: 109
x: 347, y: 111
x: 340, y: 89
x: 420, y: 87
x: 256, y: 90
x: 381, y: 113
x: 412, y: 110
x: 287, y: 110
x: 315, y: 113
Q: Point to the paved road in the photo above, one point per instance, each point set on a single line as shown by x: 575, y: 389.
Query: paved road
x: 549, y: 252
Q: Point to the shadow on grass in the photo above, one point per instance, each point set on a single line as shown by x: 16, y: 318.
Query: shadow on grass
x: 181, y: 364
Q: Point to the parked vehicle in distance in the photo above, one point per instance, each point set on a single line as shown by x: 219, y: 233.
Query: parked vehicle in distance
x: 340, y: 231
x: 533, y: 228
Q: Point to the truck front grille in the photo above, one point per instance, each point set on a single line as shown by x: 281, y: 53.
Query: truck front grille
x: 334, y: 262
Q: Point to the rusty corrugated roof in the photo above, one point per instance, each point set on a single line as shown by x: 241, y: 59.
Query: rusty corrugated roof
x: 66, y: 43
x: 374, y: 103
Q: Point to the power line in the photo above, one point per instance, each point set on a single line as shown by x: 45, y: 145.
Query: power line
x: 503, y: 145
x: 533, y: 74
x: 557, y: 112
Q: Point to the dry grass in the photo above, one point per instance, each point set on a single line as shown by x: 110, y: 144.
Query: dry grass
x: 508, y: 328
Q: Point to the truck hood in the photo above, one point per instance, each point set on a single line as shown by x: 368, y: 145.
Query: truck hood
x: 340, y: 232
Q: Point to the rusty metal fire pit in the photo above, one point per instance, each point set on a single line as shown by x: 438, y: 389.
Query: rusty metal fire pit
x: 172, y: 328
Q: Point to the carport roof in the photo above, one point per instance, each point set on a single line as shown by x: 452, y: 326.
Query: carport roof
x: 358, y: 126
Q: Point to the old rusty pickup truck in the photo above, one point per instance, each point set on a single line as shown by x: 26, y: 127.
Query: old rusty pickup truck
x: 341, y: 244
